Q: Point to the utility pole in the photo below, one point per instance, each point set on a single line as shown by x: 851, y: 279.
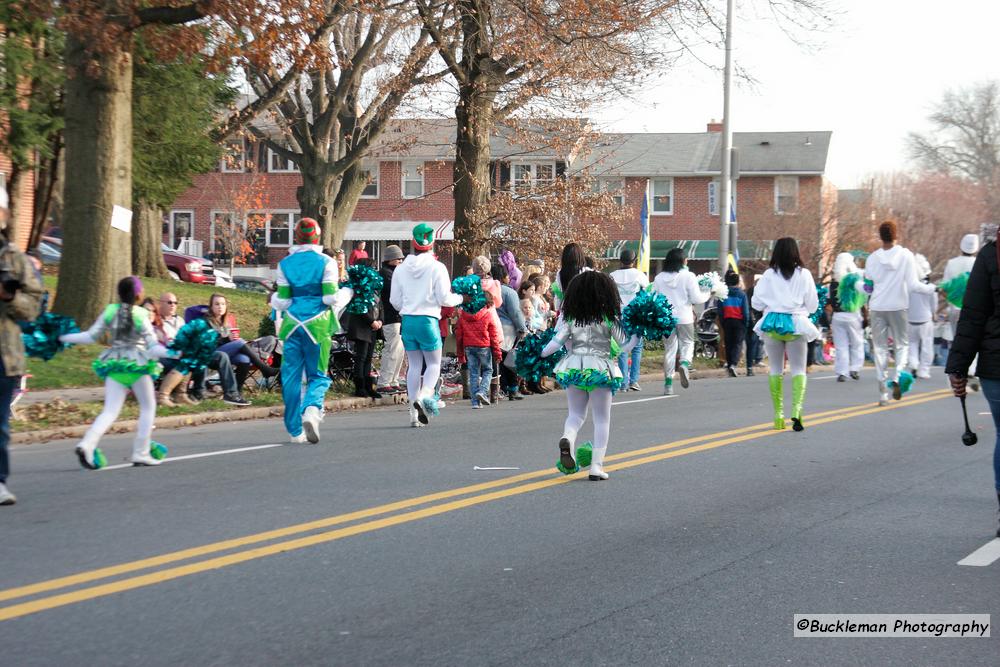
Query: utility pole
x: 725, y: 184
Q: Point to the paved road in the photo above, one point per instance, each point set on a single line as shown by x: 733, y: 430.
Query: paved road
x: 385, y: 546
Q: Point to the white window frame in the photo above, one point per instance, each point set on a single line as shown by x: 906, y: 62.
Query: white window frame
x: 533, y: 181
x: 224, y: 165
x: 173, y: 225
x: 778, y: 195
x: 618, y: 198
x: 403, y: 168
x: 292, y: 214
x: 290, y: 167
x: 714, y: 187
x: 652, y: 195
x: 213, y: 214
x: 375, y: 169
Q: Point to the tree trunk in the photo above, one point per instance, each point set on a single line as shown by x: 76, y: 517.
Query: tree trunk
x: 474, y: 115
x: 48, y: 176
x: 98, y: 136
x: 315, y: 195
x: 351, y: 186
x: 147, y: 235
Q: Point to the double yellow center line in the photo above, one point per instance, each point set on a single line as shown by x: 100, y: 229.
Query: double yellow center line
x: 476, y: 494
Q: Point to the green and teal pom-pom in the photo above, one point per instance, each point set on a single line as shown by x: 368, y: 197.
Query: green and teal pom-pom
x: 472, y: 287
x: 905, y: 382
x: 158, y: 450
x: 869, y: 286
x: 100, y: 460
x: 584, y: 455
x: 41, y: 335
x: 367, y: 285
x: 194, y: 345
x: 822, y: 294
x: 561, y: 468
x: 954, y: 289
x: 649, y: 315
x: 851, y: 293
x: 531, y: 365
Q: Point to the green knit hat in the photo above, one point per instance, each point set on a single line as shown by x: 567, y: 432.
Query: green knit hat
x: 423, y: 236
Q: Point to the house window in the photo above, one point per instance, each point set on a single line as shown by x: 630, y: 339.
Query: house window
x: 786, y: 194
x: 663, y: 196
x: 714, y: 192
x: 529, y: 176
x: 613, y: 186
x: 223, y: 233
x: 279, y: 227
x: 277, y: 164
x: 413, y: 180
x: 234, y: 160
x: 181, y: 227
x: 370, y: 171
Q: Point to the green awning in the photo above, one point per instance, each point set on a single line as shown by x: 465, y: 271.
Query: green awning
x: 704, y: 249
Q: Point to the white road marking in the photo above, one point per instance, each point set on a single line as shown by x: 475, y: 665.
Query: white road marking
x: 984, y: 555
x: 171, y: 459
x: 984, y: 413
x: 494, y: 468
x: 643, y: 400
x: 824, y: 377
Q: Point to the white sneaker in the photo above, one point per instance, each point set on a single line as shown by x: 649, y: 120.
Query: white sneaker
x: 6, y: 497
x: 139, y: 460
x: 483, y: 398
x: 311, y: 419
x: 297, y: 439
x: 685, y: 375
x: 414, y: 417
x: 883, y: 398
x: 668, y: 389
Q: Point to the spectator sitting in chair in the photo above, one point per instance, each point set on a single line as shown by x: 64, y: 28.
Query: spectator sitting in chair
x: 230, y: 342
x: 173, y: 384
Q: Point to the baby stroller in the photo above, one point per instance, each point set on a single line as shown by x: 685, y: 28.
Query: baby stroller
x: 341, y: 366
x: 706, y: 335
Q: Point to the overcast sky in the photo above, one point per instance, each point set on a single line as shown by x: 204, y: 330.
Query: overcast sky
x: 870, y: 79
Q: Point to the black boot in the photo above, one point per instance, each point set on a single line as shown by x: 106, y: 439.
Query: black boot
x: 242, y: 371
x: 265, y: 370
x: 372, y: 392
x: 359, y: 388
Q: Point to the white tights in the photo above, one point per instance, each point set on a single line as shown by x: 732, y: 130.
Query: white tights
x: 776, y: 350
x: 577, y: 400
x: 419, y: 385
x: 114, y: 399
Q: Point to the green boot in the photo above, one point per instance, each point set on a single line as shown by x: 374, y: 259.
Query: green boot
x: 798, y: 397
x: 778, y: 399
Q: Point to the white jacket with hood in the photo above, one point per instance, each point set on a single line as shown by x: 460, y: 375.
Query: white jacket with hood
x: 682, y: 290
x: 630, y: 282
x: 894, y: 274
x: 420, y: 286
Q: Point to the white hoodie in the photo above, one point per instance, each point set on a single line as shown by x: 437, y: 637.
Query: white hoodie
x: 957, y: 266
x: 630, y: 282
x: 420, y: 286
x: 682, y: 290
x: 894, y: 273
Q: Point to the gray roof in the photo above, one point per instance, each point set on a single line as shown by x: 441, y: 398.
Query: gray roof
x: 668, y: 154
x: 434, y: 139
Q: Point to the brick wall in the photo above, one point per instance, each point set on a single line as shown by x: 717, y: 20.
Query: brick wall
x: 23, y: 199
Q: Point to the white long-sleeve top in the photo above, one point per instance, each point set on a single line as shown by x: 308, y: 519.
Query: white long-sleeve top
x: 420, y: 286
x: 957, y: 266
x: 795, y: 296
x: 922, y: 307
x: 630, y: 282
x: 683, y: 292
x: 894, y: 274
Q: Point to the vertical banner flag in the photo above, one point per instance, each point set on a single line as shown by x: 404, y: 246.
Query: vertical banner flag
x: 643, y: 260
x: 734, y: 255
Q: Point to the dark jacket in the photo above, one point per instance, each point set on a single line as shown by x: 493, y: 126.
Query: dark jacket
x: 979, y: 324
x: 359, y: 327
x: 389, y: 314
x: 735, y: 306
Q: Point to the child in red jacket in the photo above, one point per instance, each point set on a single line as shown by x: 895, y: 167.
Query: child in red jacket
x: 478, y: 339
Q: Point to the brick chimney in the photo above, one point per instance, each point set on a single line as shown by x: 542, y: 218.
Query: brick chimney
x: 714, y: 126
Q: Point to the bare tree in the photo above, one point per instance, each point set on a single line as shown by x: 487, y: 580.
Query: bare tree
x: 965, y: 142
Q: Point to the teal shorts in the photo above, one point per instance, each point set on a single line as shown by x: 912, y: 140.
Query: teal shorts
x: 420, y: 332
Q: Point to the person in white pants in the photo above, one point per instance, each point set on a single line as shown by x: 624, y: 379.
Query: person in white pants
x: 392, y: 349
x: 847, y: 323
x: 954, y: 268
x: 893, y: 273
x: 682, y: 290
x: 920, y: 316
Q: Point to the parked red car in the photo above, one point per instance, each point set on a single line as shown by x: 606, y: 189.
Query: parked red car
x: 187, y: 268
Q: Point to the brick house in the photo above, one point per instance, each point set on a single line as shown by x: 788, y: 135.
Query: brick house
x: 24, y: 198
x: 780, y: 189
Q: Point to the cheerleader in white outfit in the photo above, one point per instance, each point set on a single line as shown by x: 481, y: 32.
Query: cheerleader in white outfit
x: 590, y: 328
x: 129, y: 364
x: 920, y: 316
x: 847, y: 298
x: 786, y: 294
x: 682, y: 290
